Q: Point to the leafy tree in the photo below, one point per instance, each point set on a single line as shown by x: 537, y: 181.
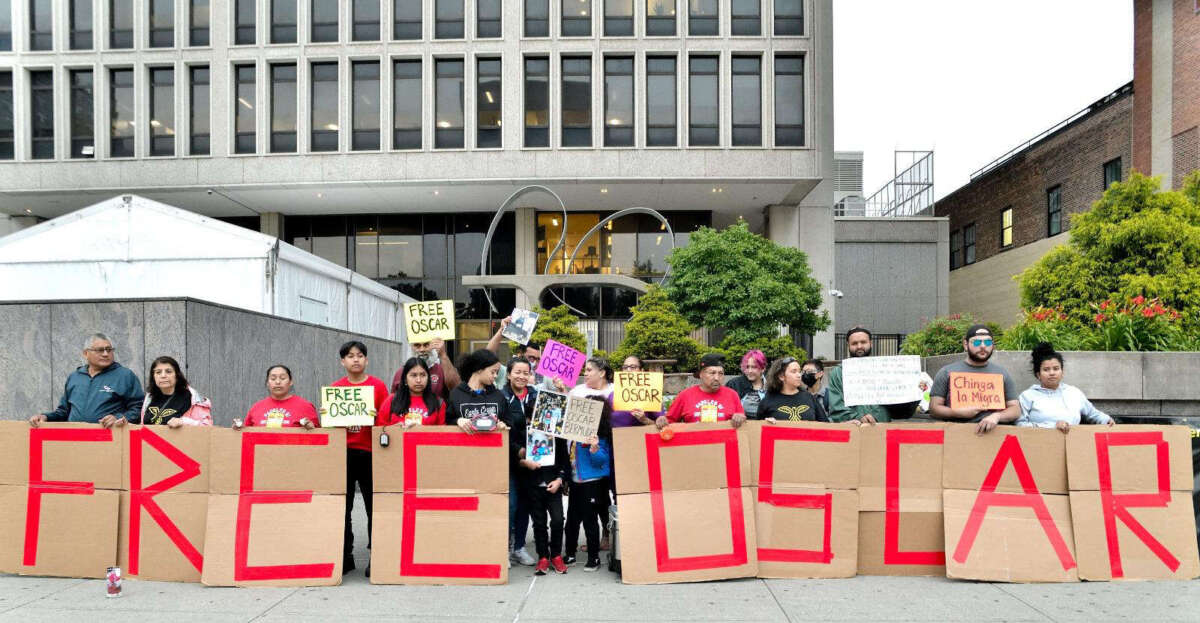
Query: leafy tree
x: 743, y: 282
x: 558, y: 324
x: 773, y: 348
x: 943, y: 336
x: 658, y: 331
x: 1136, y: 240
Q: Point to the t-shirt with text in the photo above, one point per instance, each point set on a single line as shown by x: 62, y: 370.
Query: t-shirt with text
x: 696, y: 405
x: 941, y: 382
x: 273, y: 413
x: 417, y: 409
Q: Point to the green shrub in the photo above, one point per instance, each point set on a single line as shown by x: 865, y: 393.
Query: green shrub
x: 1139, y: 325
x: 774, y: 348
x: 1044, y: 325
x: 658, y: 331
x: 943, y: 336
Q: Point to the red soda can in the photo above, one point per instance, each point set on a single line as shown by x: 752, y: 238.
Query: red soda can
x: 113, y: 581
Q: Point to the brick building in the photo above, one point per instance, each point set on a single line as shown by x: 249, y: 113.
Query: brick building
x: 1166, y: 66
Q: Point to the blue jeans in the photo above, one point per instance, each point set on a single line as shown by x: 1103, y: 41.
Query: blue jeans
x: 518, y: 512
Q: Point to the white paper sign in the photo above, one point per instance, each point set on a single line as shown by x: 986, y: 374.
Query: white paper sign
x: 881, y: 380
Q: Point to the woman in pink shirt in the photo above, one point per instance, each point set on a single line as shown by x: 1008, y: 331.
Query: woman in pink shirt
x: 281, y: 408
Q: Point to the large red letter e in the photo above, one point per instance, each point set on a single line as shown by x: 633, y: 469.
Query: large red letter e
x: 39, y: 487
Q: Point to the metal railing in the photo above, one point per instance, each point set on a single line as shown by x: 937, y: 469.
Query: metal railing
x: 882, y: 344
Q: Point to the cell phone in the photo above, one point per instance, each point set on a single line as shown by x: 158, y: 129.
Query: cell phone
x: 484, y: 423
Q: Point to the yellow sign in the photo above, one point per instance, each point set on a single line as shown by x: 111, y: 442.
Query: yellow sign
x: 638, y: 390
x: 347, y: 406
x: 428, y: 320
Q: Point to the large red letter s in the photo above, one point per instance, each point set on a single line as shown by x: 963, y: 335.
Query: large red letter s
x: 766, y: 492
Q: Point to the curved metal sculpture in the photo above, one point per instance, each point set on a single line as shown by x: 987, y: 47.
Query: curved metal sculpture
x: 612, y: 217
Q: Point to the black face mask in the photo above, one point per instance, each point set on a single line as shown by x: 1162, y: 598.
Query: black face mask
x: 809, y: 379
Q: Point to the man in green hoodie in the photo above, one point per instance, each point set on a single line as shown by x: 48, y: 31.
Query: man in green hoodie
x: 858, y: 344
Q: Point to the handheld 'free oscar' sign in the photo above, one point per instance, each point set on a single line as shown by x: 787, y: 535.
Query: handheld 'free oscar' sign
x: 638, y: 390
x: 347, y: 406
x: 429, y: 320
x: 561, y: 362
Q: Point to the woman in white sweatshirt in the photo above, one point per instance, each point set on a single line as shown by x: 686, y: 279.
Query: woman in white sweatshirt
x: 1050, y: 403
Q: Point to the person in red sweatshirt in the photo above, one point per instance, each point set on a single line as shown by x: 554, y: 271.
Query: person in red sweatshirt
x: 710, y: 401
x: 358, y: 443
x: 414, y: 402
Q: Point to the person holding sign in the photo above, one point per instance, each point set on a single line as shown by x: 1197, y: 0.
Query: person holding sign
x: 975, y: 389
x: 587, y: 505
x: 1050, y: 403
x: 443, y: 377
x: 543, y: 482
x: 521, y: 398
x: 101, y: 391
x: 414, y: 403
x: 786, y: 399
x: 280, y: 409
x: 170, y: 400
x: 858, y: 344
x: 358, y: 443
x: 476, y: 405
x: 641, y: 386
x: 597, y: 380
x: 530, y: 351
x: 710, y: 401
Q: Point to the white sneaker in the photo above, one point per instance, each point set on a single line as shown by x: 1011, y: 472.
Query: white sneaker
x: 523, y: 557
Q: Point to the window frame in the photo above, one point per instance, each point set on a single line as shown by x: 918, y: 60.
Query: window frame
x: 316, y: 135
x: 252, y: 115
x: 450, y: 136
x: 416, y: 94
x: 195, y: 138
x: 79, y: 141
x: 969, y: 238
x: 366, y: 25
x: 151, y: 31
x: 540, y: 130
x: 75, y: 34
x: 1006, y: 228
x: 397, y: 23
x: 1054, y: 208
x: 48, y: 133
x: 674, y: 80
x: 366, y: 133
x: 571, y: 135
x: 692, y: 126
x: 155, y: 150
x: 283, y: 142
x: 1104, y: 171
x: 734, y: 100
x: 489, y: 136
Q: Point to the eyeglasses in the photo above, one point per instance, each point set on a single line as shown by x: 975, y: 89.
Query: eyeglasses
x: 631, y: 367
x: 981, y: 341
x: 106, y: 349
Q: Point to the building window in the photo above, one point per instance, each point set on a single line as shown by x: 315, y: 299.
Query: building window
x: 1054, y: 211
x: 41, y: 113
x: 120, y: 24
x: 81, y: 23
x: 1112, y: 172
x: 537, y: 102
x: 162, y: 111
x: 41, y: 34
x: 5, y: 25
x: 660, y: 18
x: 448, y: 19
x: 618, y: 18
x: 969, y: 244
x: 200, y: 14
x: 365, y: 20
x: 324, y: 21
x: 747, y: 101
x: 283, y: 108
x: 406, y: 104
x: 487, y: 103
x: 324, y: 117
x: 6, y: 115
x: 283, y: 21
x: 703, y: 114
x: 365, y: 112
x: 245, y: 133
x: 745, y: 18
x: 660, y: 102
x: 618, y: 101
x: 956, y: 249
x: 244, y: 23
x: 406, y: 20
x: 537, y: 18
x: 576, y: 101
x: 83, y: 116
x: 576, y: 18
x: 121, y: 134
x: 1006, y: 228
x: 487, y: 19
x: 199, y: 108
x: 789, y: 101
x: 702, y: 18
x: 162, y: 23
x: 448, y: 104
x: 789, y: 17
x: 323, y: 236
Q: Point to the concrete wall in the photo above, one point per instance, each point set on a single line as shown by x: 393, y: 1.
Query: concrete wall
x: 224, y: 351
x: 1133, y: 385
x: 988, y: 289
x: 894, y: 273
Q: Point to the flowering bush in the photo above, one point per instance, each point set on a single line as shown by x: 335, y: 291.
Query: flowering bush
x: 1141, y: 324
x: 1044, y: 324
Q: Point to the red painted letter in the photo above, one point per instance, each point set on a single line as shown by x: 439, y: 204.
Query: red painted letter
x: 733, y: 482
x: 766, y: 492
x: 413, y: 503
x: 1117, y: 506
x: 1010, y: 452
x: 140, y: 497
x: 249, y: 497
x: 891, y: 526
x: 39, y: 487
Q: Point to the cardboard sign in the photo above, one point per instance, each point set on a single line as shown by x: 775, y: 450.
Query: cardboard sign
x: 686, y: 514
x: 581, y: 419
x: 976, y: 390
x: 428, y: 320
x: 276, y: 516
x: 561, y: 362
x: 881, y: 380
x: 347, y: 406
x: 1131, y: 505
x: 638, y: 390
x: 440, y: 507
x: 521, y: 327
x: 1007, y: 515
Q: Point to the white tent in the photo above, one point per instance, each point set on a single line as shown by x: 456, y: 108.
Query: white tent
x: 130, y: 247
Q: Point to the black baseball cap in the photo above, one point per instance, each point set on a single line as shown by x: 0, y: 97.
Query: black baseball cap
x: 712, y: 359
x: 977, y: 329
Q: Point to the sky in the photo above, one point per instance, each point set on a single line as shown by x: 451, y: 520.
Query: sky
x: 968, y: 79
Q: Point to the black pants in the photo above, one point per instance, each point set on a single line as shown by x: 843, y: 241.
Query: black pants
x: 587, y: 502
x: 358, y: 472
x: 548, y: 539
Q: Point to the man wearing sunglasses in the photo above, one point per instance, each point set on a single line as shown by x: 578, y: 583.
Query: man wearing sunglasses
x: 979, y: 346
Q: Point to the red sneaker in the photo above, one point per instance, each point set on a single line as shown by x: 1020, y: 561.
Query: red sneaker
x: 559, y: 565
x: 544, y: 565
